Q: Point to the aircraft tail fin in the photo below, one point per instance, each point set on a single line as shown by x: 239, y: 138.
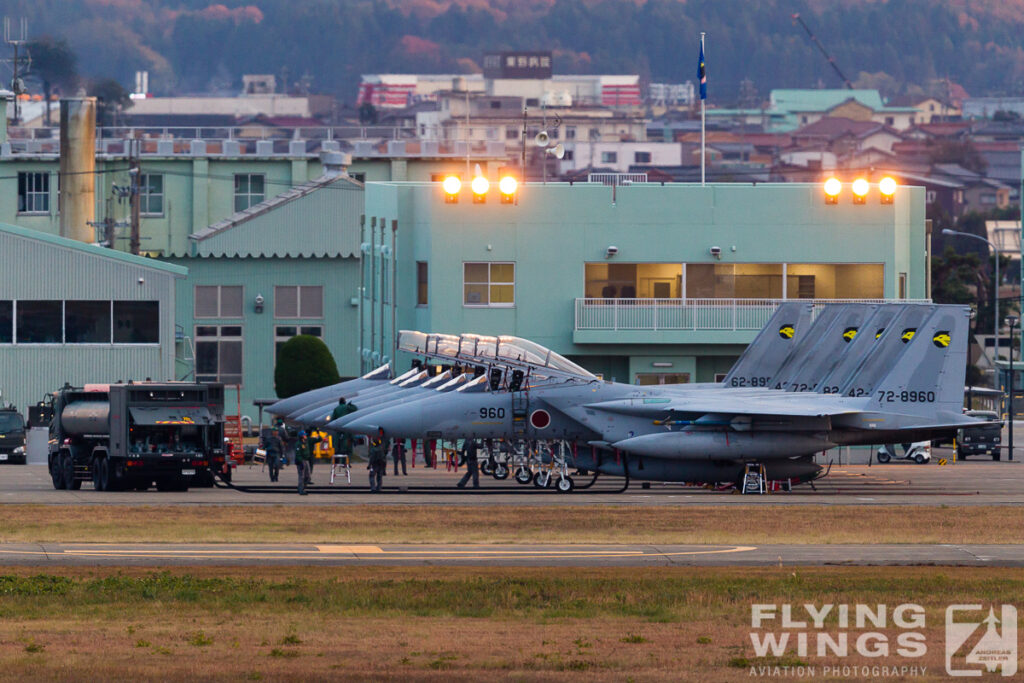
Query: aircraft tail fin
x: 835, y: 343
x: 887, y: 337
x: 766, y: 354
x: 929, y: 377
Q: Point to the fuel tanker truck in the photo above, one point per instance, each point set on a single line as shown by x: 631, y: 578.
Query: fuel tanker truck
x: 135, y: 435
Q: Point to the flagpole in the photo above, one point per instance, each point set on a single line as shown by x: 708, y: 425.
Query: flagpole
x: 702, y: 123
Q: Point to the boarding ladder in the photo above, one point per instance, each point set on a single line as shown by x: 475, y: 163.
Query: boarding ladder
x: 233, y: 429
x: 754, y: 479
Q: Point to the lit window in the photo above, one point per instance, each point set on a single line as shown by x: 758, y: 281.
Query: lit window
x: 489, y: 284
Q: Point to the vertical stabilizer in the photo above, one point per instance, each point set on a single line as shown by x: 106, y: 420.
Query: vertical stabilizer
x: 770, y: 348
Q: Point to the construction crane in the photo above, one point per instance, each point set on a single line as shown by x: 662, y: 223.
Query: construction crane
x: 831, y: 61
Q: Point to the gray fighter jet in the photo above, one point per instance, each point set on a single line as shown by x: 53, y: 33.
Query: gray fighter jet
x: 902, y: 380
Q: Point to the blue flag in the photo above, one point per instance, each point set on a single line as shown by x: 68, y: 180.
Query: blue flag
x: 702, y: 75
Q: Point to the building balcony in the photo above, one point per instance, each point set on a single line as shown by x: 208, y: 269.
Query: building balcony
x: 683, y: 321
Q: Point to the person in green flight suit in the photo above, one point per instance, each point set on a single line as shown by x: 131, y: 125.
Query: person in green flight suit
x: 343, y: 442
x: 303, y: 455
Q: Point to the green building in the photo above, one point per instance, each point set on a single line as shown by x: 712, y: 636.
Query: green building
x: 643, y: 283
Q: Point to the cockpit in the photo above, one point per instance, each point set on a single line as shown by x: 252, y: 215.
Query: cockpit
x: 476, y: 349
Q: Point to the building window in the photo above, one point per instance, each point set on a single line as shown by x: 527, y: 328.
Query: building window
x: 87, y: 322
x: 930, y: 197
x: 570, y: 132
x: 360, y: 177
x: 151, y: 194
x: 641, y: 157
x: 421, y: 283
x: 40, y: 322
x: 219, y: 353
x: 33, y: 192
x: 553, y: 133
x: 495, y: 104
x: 283, y: 333
x: 649, y: 378
x: 249, y: 190
x: 633, y: 280
x: 988, y: 198
x: 511, y: 133
x: 218, y: 301
x: 889, y: 120
x: 569, y: 156
x: 609, y: 157
x: 298, y: 302
x: 532, y: 102
x: 6, y: 322
x: 489, y: 284
x: 136, y: 322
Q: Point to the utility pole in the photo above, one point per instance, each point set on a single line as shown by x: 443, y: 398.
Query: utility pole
x: 135, y: 179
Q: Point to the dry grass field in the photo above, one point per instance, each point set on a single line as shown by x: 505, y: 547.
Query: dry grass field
x: 754, y: 524
x: 425, y: 623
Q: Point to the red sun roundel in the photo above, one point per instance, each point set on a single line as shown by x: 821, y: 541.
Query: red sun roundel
x: 540, y: 419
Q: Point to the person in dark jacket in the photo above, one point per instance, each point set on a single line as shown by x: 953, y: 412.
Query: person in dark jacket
x: 378, y: 462
x: 274, y: 447
x: 398, y: 454
x: 343, y: 442
x: 303, y: 455
x: 469, y: 457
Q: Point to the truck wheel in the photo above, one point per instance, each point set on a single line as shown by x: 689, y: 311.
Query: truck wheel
x: 883, y: 457
x: 57, y: 472
x: 106, y: 480
x: 920, y: 459
x: 70, y: 482
x: 98, y: 481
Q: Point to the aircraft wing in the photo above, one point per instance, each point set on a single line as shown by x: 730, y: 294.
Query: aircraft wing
x: 789, y: 405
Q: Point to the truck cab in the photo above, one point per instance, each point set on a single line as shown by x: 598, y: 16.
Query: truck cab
x: 982, y: 440
x: 12, y: 436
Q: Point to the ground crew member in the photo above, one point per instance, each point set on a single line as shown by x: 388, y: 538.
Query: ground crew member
x: 343, y: 442
x: 303, y: 455
x: 398, y: 454
x: 274, y: 447
x: 378, y: 462
x: 469, y: 456
x: 288, y: 453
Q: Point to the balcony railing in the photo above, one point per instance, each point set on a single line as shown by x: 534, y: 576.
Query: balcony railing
x: 692, y: 314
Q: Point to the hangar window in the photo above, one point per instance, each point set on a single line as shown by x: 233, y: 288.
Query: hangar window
x: 136, y: 322
x: 87, y: 322
x: 33, y: 192
x: 40, y: 322
x: 283, y: 333
x: 6, y: 322
x: 151, y: 194
x: 835, y: 280
x: 219, y: 353
x: 489, y: 284
x: 298, y: 302
x: 421, y: 283
x: 606, y: 280
x: 249, y: 189
x: 218, y: 301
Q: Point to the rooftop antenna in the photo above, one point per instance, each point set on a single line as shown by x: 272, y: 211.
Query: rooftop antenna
x: 17, y: 36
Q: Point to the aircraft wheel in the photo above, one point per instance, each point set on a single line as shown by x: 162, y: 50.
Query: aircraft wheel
x: 542, y: 480
x: 487, y: 467
x: 523, y: 475
x: 500, y: 471
x: 882, y: 457
x: 565, y: 485
x: 920, y: 459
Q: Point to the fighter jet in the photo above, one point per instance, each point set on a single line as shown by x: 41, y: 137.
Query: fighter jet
x: 672, y: 434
